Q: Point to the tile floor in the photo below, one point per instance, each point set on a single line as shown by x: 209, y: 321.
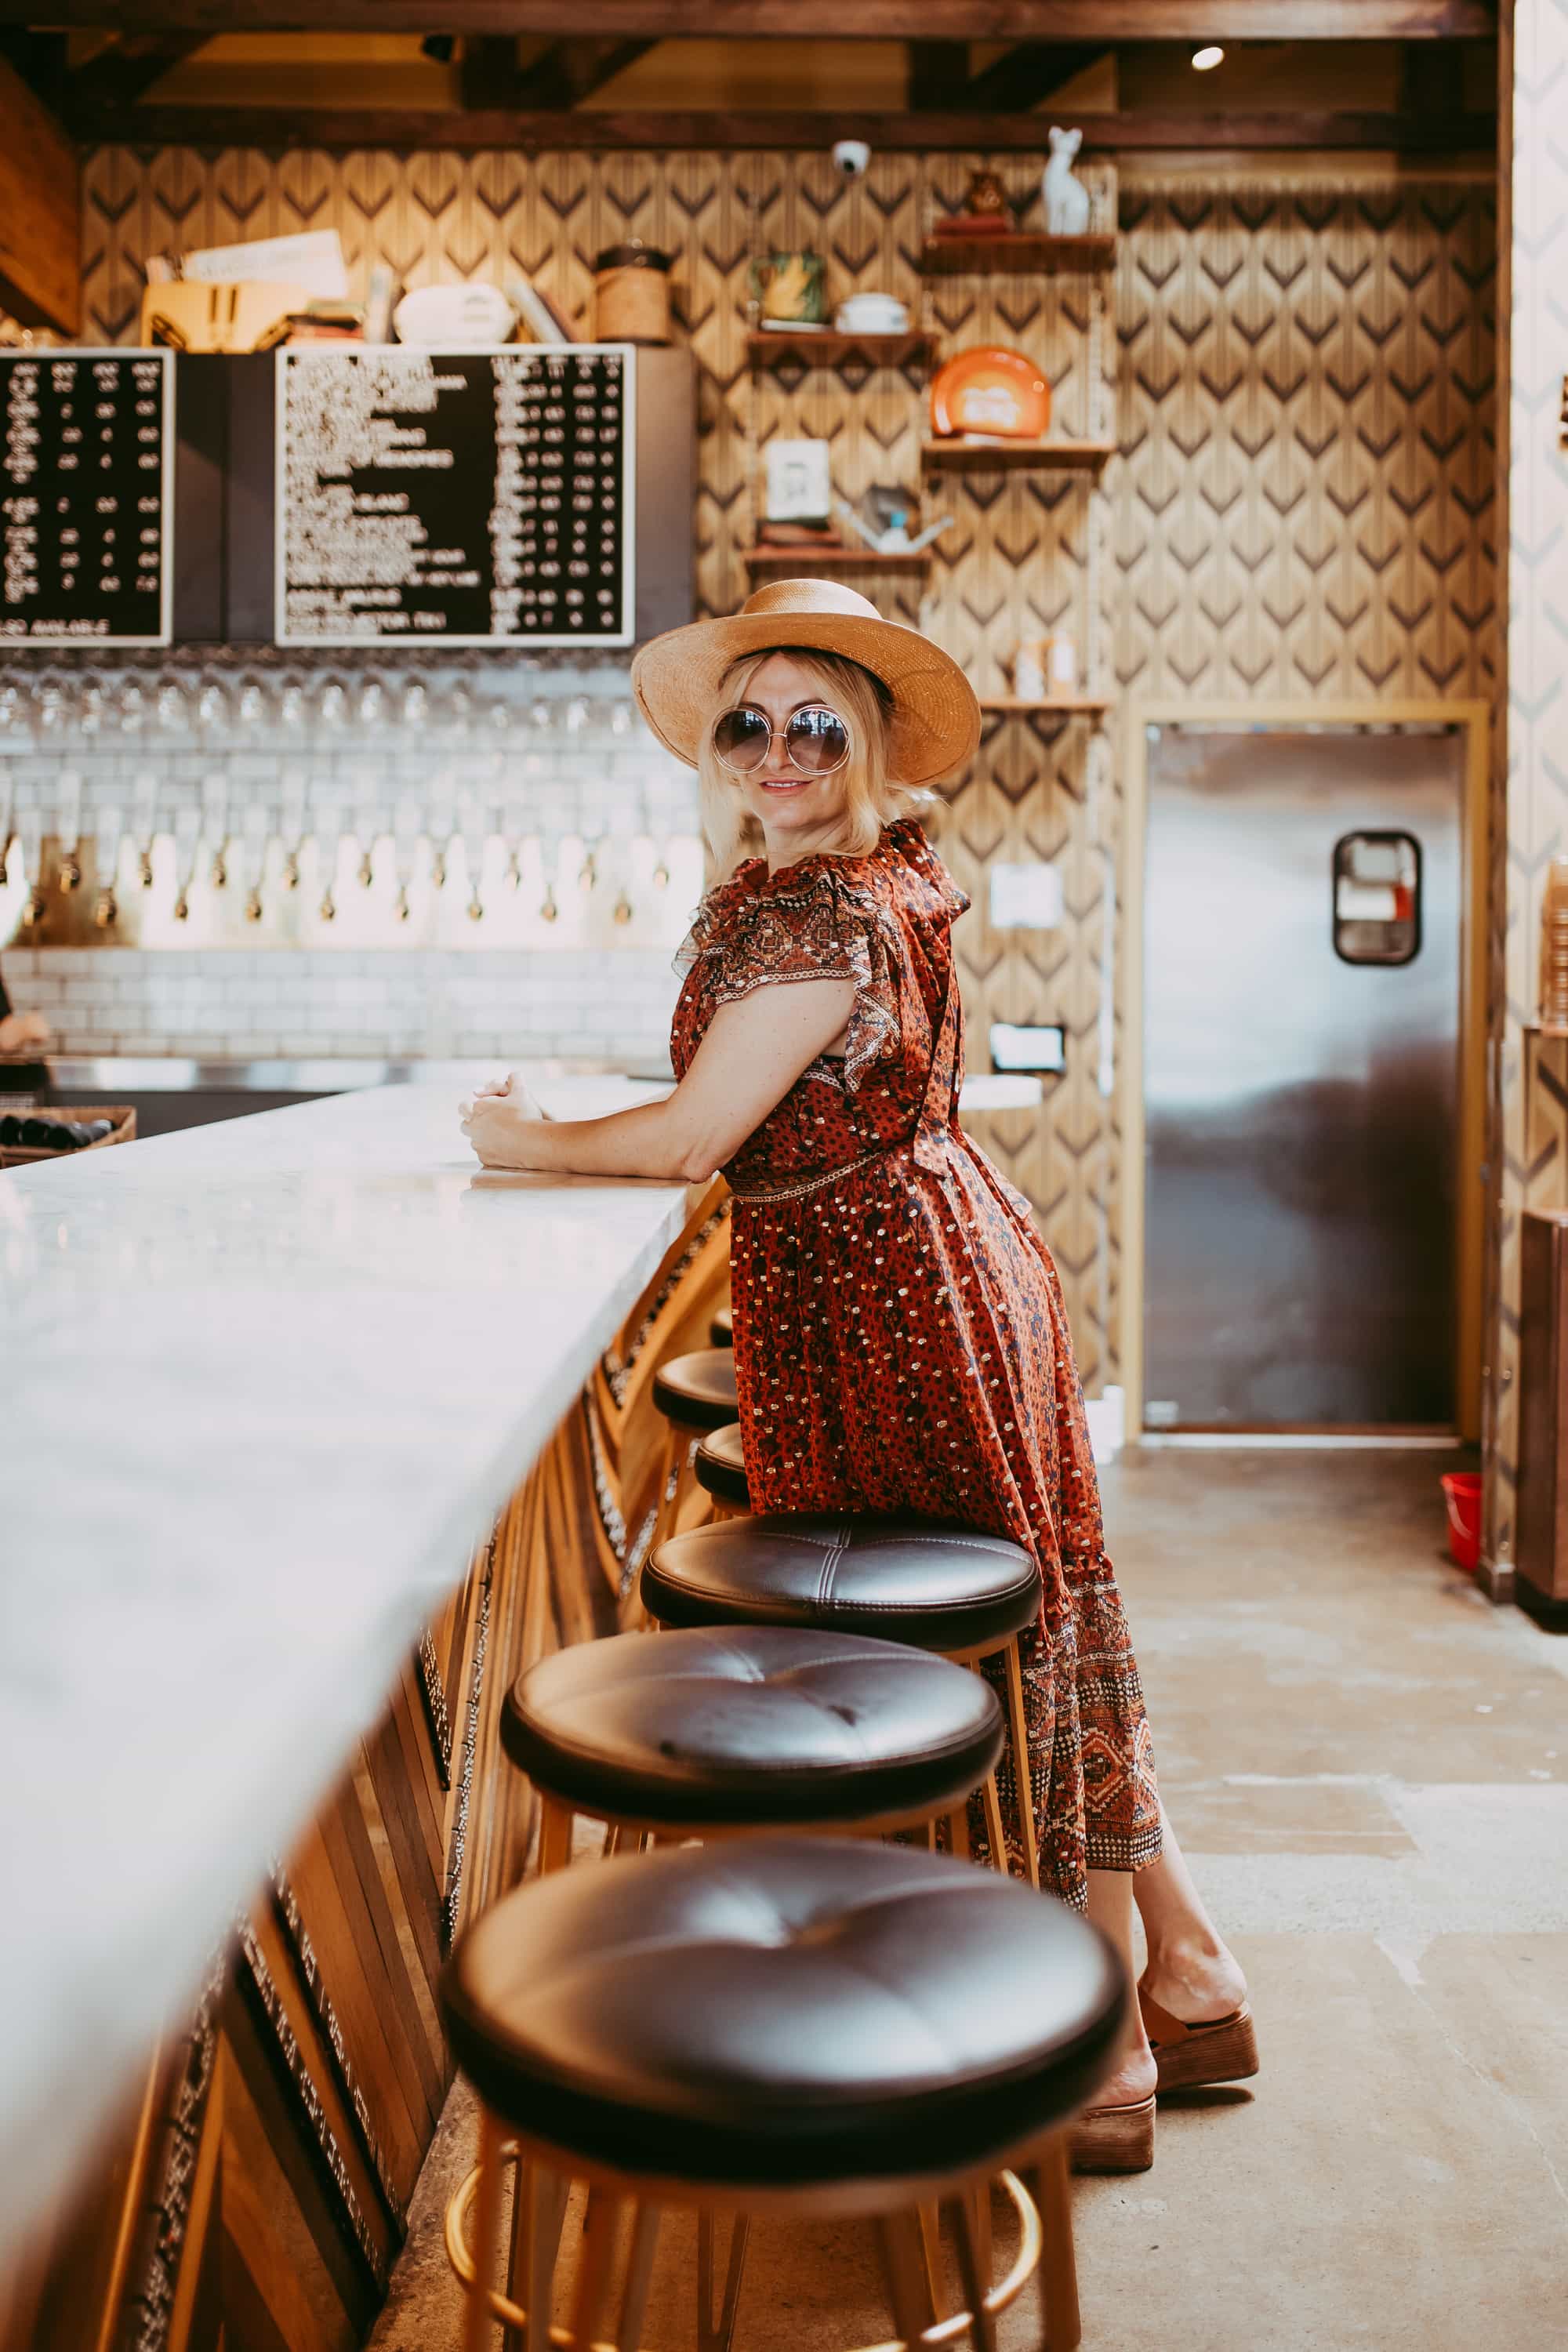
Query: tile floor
x: 1368, y: 1768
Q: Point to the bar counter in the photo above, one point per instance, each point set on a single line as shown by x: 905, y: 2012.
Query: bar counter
x: 264, y: 1389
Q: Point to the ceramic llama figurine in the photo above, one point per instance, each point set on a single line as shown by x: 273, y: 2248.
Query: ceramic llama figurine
x: 1066, y: 198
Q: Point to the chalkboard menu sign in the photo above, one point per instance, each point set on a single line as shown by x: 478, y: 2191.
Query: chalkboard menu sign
x: 86, y: 496
x: 472, y: 497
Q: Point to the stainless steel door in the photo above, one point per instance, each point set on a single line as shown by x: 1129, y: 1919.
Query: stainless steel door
x: 1301, y: 1100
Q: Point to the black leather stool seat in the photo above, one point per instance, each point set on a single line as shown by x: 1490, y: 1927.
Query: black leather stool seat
x: 917, y: 1580
x: 721, y: 1330
x: 698, y: 1389
x: 764, y: 1724
x: 788, y: 2011
x: 721, y: 1466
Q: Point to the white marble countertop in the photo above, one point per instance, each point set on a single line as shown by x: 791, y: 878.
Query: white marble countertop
x: 263, y: 1386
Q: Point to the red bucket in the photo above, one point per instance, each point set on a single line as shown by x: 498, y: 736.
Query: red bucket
x: 1462, y: 1495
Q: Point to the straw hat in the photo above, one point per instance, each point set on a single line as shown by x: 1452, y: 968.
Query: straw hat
x: 935, y: 724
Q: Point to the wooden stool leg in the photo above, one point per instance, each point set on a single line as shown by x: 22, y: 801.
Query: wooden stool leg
x: 931, y: 2246
x: 554, y: 1835
x: 550, y: 2194
x: 958, y: 1832
x: 714, y: 2334
x: 669, y: 1479
x: 1022, y: 1775
x: 487, y: 2222
x: 1059, y: 2264
x: 996, y: 1836
x: 519, y: 2267
x: 899, y: 2236
x: 601, y: 2227
x: 976, y: 2278
x: 639, y: 2270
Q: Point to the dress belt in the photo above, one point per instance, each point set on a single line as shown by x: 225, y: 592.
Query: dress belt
x: 819, y: 1183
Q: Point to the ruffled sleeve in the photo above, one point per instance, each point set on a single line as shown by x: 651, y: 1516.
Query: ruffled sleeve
x: 813, y: 921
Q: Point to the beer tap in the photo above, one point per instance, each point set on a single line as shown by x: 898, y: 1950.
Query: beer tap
x: 68, y: 829
x: 367, y: 827
x: 106, y: 848
x: 187, y: 849
x: 144, y: 825
x: 292, y: 791
x: 328, y: 835
x: 255, y: 830
x: 441, y: 828
x: 550, y: 860
x: 407, y: 824
x: 471, y: 827
x: 214, y: 824
x: 30, y: 834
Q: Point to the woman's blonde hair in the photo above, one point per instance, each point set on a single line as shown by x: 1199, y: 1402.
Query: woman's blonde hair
x: 871, y: 798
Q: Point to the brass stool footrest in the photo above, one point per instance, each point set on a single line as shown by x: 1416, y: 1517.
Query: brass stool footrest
x: 929, y: 2339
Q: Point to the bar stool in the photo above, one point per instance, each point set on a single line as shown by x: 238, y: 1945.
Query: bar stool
x: 720, y: 1464
x: 695, y: 1394
x: 729, y: 2031
x: 958, y: 1591
x: 725, y: 1731
x: 721, y: 1330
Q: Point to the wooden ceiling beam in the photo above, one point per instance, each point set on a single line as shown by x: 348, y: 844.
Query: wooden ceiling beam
x: 1029, y: 73
x: 119, y: 74
x: 938, y: 75
x: 570, y: 72
x: 281, y: 127
x: 1105, y: 21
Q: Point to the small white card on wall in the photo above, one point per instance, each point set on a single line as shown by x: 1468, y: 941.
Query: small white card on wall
x: 1026, y: 898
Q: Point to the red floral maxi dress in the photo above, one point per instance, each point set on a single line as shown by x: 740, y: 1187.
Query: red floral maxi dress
x: 900, y: 1339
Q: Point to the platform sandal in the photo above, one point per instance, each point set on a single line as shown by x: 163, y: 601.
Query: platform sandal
x: 1188, y: 2057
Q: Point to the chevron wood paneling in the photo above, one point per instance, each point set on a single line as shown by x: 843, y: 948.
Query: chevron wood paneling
x: 1302, y: 381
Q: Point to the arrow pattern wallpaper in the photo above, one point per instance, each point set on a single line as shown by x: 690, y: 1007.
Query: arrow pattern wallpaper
x: 1301, y: 379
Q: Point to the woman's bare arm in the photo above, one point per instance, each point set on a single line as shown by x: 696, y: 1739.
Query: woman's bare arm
x: 751, y: 1056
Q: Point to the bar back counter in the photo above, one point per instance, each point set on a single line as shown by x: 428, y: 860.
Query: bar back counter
x: 312, y: 1437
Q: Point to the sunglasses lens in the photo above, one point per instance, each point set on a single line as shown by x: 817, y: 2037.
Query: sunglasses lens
x: 740, y: 737
x: 817, y: 741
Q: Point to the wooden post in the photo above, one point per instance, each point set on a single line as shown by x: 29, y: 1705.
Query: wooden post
x: 40, y: 211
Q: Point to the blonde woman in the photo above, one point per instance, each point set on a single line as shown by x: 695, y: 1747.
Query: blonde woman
x: 901, y: 1340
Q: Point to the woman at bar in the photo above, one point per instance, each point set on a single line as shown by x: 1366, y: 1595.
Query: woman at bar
x: 901, y: 1343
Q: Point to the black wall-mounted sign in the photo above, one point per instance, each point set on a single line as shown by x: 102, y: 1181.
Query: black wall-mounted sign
x: 86, y: 498
x: 457, y: 497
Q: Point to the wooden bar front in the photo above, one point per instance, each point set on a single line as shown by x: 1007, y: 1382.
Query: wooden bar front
x: 255, y: 2194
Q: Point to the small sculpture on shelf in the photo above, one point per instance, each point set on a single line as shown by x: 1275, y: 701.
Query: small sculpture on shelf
x: 882, y: 521
x: 1065, y: 197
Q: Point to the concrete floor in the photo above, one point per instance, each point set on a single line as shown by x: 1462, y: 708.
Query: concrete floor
x: 1368, y: 1768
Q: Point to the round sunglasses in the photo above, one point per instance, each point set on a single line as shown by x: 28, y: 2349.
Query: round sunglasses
x: 816, y: 739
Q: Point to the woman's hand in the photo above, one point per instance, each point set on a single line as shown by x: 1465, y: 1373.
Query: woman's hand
x: 497, y: 1120
x: 20, y: 1030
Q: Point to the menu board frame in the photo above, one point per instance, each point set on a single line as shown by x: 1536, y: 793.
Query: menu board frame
x: 338, y: 355
x: 124, y: 354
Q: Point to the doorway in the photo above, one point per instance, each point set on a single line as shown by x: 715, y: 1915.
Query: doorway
x: 1308, y: 1142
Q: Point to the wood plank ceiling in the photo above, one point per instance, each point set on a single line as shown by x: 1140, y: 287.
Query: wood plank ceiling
x: 929, y: 73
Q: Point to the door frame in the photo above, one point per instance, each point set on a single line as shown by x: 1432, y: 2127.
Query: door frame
x: 1474, y: 717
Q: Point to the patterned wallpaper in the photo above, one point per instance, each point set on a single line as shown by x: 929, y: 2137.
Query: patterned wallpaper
x: 1303, y: 394
x: 1530, y: 1141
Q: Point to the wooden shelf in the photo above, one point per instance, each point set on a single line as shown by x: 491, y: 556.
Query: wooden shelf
x: 834, y: 559
x: 802, y: 348
x: 967, y: 455
x: 1022, y: 254
x: 1544, y: 1029
x: 1019, y: 706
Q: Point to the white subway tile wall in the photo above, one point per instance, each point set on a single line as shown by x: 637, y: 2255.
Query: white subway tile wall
x: 533, y: 748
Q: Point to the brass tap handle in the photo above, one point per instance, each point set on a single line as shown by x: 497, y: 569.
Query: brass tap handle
x: 253, y: 906
x: 327, y: 910
x: 623, y: 909
x: 105, y: 912
x: 70, y: 872
x: 476, y: 908
x: 549, y: 910
x: 144, y: 869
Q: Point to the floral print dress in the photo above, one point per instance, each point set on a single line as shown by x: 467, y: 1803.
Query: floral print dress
x: 900, y: 1339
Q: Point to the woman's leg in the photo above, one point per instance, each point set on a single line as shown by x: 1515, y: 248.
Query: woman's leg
x: 1190, y: 1971
x: 1110, y: 1910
